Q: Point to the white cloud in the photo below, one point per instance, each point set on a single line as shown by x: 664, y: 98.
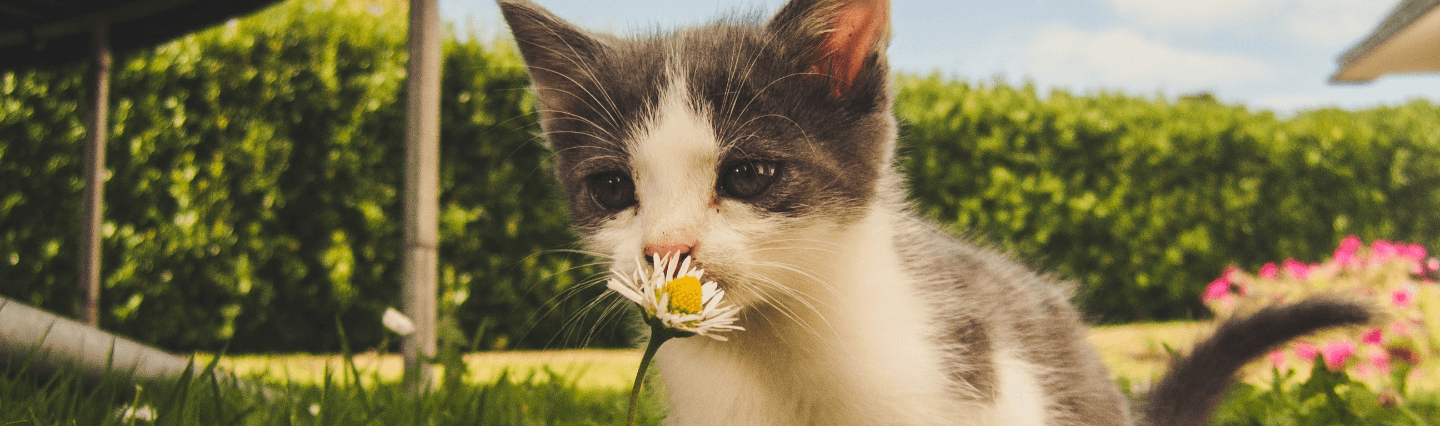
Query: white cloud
x: 1324, y: 23
x: 1335, y: 23
x: 1061, y: 55
x: 1200, y: 15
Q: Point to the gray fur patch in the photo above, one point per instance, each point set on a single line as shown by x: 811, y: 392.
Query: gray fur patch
x: 754, y: 81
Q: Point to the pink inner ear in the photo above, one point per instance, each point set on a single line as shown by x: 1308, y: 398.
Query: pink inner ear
x: 856, y: 28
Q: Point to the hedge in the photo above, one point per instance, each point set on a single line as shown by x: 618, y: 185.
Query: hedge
x: 253, y: 202
x: 256, y: 175
x: 1144, y: 201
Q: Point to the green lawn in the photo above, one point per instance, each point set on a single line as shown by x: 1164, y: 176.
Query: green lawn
x: 589, y: 368
x: 1135, y: 352
x: 588, y: 387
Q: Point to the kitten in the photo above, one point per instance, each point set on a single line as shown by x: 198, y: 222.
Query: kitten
x: 765, y: 152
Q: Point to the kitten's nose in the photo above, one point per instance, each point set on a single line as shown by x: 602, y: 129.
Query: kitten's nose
x: 654, y: 250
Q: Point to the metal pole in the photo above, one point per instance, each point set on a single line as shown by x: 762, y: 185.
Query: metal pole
x: 41, y: 342
x: 49, y: 343
x: 422, y: 182
x: 96, y: 128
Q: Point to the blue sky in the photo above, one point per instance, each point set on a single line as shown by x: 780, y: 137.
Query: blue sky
x: 1267, y: 54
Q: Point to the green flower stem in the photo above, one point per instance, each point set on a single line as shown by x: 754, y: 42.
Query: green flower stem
x: 658, y: 336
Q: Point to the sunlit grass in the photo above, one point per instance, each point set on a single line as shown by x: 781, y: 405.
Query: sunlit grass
x: 542, y: 397
x: 579, y: 387
x: 1135, y: 352
x: 588, y: 368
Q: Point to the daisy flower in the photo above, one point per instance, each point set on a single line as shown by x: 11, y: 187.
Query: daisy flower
x: 675, y: 303
x: 673, y: 296
x: 397, y: 322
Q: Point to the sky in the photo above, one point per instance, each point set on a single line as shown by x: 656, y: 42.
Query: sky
x: 1265, y: 54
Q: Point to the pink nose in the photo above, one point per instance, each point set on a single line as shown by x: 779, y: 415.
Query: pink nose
x: 667, y: 247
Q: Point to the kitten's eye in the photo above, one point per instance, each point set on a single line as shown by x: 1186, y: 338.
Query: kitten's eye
x: 747, y: 178
x: 614, y: 190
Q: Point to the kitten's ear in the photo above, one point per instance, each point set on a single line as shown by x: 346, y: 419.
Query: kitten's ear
x: 556, y: 52
x: 841, y: 36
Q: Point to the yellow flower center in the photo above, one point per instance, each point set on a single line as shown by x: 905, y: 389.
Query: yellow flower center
x: 684, y: 295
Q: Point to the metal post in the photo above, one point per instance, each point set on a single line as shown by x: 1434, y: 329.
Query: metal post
x: 50, y: 343
x: 422, y: 182
x: 39, y: 341
x: 96, y: 128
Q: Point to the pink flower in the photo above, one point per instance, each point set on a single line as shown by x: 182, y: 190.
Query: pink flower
x: 1400, y: 328
x: 1269, y: 271
x: 1414, y: 252
x: 1297, y: 270
x: 1336, y: 353
x: 1217, y: 290
x: 1277, y: 359
x: 1380, y: 360
x: 1402, y: 298
x: 1372, y: 337
x: 1381, y: 251
x: 1345, y: 254
x: 1305, y: 350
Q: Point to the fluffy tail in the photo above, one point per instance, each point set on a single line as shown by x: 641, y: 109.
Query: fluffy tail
x: 1191, y: 391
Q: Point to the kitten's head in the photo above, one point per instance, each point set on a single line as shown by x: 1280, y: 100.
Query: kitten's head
x: 748, y: 146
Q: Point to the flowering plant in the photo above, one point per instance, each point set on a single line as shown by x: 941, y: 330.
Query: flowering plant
x: 1401, y: 278
x: 675, y: 304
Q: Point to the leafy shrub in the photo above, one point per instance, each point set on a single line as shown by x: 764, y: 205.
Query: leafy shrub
x: 1142, y: 201
x: 1326, y: 397
x: 1353, y: 378
x: 1398, y: 278
x: 255, y: 181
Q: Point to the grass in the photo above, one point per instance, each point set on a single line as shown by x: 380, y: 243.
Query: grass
x: 575, y: 387
x: 589, y: 368
x: 541, y: 397
x: 1134, y: 352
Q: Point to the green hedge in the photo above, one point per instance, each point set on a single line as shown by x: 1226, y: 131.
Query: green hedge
x: 1144, y: 201
x: 256, y: 175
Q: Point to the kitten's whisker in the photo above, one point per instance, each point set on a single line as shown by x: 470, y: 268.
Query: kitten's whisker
x: 550, y: 133
x: 807, y: 274
x: 572, y: 58
x: 572, y: 323
x: 616, y: 305
x: 582, y: 100
x: 577, y: 117
x: 767, y: 87
x: 787, y: 310
x: 733, y: 98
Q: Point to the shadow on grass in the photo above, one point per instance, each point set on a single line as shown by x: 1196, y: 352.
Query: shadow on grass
x: 29, y: 397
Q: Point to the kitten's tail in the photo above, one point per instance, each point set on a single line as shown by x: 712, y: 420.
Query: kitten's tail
x: 1193, y: 388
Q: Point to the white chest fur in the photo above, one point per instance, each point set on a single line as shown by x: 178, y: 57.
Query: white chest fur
x: 864, y: 355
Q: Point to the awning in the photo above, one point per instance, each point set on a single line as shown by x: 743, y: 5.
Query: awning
x: 1407, y: 42
x: 49, y: 32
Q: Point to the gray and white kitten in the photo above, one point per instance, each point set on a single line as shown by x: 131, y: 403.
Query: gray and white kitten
x: 765, y: 151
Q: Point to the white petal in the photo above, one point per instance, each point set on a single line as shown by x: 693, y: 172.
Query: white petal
x: 397, y: 322
x: 670, y: 267
x: 624, y: 289
x: 714, y: 300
